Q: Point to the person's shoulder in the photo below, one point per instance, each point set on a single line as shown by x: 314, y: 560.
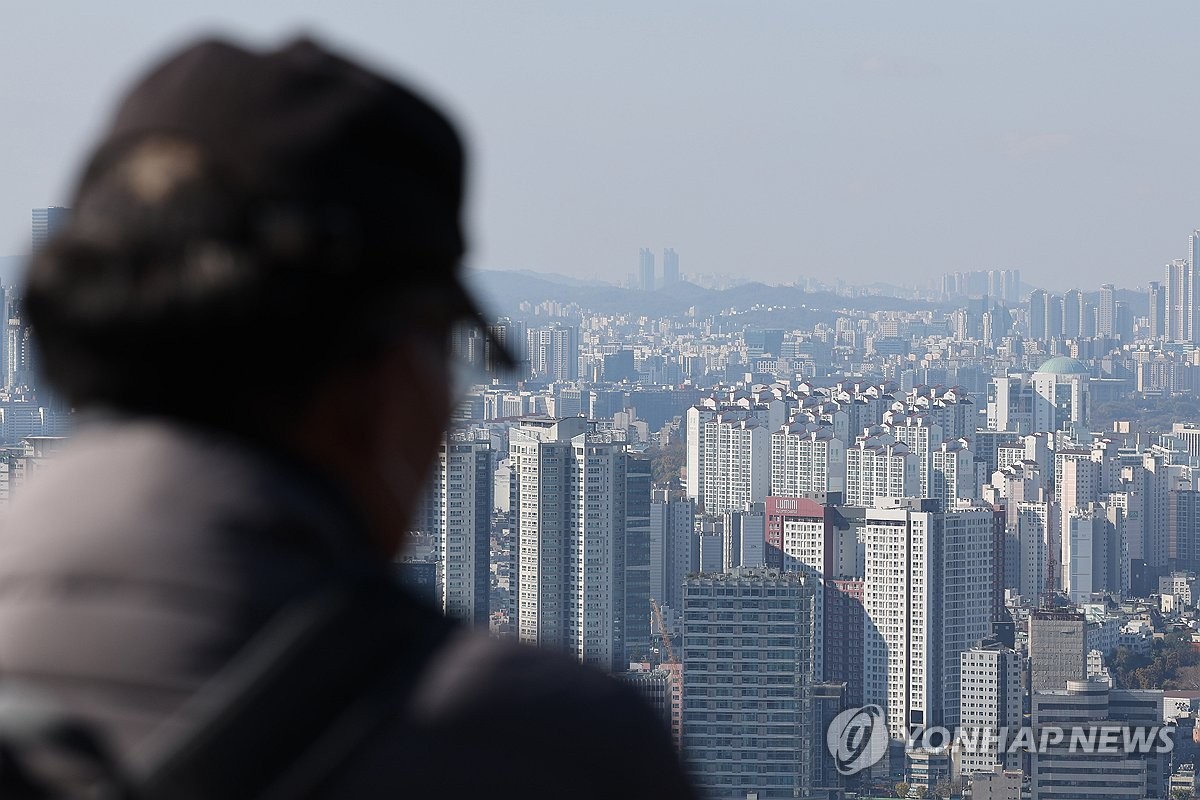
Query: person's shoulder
x: 497, y: 718
x: 474, y: 674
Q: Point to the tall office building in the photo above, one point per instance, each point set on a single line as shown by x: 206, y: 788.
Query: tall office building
x: 1106, y: 312
x: 1057, y: 648
x: 46, y: 221
x: 991, y: 699
x: 748, y: 642
x: 457, y: 511
x: 646, y: 270
x: 1066, y: 771
x: 582, y: 515
x: 670, y: 268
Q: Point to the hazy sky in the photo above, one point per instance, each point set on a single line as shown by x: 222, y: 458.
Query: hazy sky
x: 889, y: 141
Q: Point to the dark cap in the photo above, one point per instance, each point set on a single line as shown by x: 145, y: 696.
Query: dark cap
x: 339, y: 158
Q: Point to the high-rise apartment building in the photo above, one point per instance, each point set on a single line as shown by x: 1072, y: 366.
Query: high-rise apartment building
x: 921, y: 434
x: 670, y: 268
x: 646, y: 270
x: 744, y: 534
x: 1095, y: 552
x: 46, y: 221
x: 1038, y: 322
x: 991, y: 699
x: 457, y: 511
x: 1106, y: 311
x: 807, y: 457
x: 816, y: 539
x: 748, y: 641
x: 554, y: 352
x: 728, y: 459
x: 1183, y: 529
x: 581, y: 507
x: 969, y: 589
x: 952, y: 473
x: 927, y: 593
x: 1038, y: 542
x: 879, y: 466
x: 1074, y: 314
x: 1054, y: 316
x: 1158, y: 310
x: 1192, y: 294
x: 674, y: 546
x: 1178, y: 284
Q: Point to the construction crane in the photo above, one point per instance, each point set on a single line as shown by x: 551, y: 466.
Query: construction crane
x: 662, y: 630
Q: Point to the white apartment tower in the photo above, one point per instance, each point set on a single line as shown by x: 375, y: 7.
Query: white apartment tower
x: 952, y: 473
x: 991, y: 697
x: 728, y: 459
x: 456, y: 510
x: 926, y: 591
x: 579, y: 515
x: 879, y: 466
x: 1037, y: 534
x: 464, y: 487
x: 968, y: 565
x: 921, y: 435
x: 806, y: 457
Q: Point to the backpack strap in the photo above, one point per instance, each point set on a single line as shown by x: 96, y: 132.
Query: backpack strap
x: 47, y: 753
x: 293, y: 705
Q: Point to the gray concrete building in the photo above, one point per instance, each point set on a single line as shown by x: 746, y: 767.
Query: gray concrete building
x: 748, y: 640
x: 1057, y: 648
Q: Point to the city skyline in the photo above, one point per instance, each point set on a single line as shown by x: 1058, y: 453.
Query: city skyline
x: 872, y: 143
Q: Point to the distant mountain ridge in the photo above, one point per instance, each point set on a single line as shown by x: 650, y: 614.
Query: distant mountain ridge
x: 503, y: 291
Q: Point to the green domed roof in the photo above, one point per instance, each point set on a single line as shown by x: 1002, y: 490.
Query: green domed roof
x: 1065, y: 365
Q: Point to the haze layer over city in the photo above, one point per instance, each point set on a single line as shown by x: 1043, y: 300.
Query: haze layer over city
x: 772, y: 142
x: 857, y: 350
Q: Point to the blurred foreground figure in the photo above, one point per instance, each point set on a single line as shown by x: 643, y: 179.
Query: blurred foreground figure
x: 252, y: 307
